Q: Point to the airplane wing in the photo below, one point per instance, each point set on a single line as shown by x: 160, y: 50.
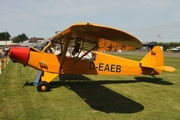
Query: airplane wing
x: 106, y: 38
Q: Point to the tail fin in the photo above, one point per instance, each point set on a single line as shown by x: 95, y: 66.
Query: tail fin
x: 155, y: 59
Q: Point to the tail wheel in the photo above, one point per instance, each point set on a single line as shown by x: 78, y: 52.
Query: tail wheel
x: 43, y: 86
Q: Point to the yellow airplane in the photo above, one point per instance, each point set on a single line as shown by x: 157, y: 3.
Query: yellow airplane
x: 80, y: 48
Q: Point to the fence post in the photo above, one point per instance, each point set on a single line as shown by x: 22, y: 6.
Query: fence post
x: 7, y: 60
x: 4, y: 62
x: 0, y: 65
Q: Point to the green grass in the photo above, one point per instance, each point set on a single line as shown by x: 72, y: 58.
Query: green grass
x: 89, y: 97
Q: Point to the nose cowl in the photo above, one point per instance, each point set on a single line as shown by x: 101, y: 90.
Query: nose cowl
x: 19, y: 54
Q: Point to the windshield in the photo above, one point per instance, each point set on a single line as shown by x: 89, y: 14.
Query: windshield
x: 41, y: 44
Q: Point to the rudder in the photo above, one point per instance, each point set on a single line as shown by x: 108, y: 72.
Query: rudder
x: 155, y: 59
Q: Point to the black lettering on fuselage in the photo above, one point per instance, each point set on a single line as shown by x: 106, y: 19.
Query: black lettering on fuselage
x: 118, y: 68
x: 105, y: 67
x: 101, y: 65
x: 91, y: 66
x: 113, y: 68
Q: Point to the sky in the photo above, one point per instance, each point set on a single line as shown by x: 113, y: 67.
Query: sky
x: 144, y: 19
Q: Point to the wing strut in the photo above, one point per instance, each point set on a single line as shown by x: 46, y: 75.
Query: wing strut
x: 64, y: 52
x: 46, y: 46
x: 78, y: 59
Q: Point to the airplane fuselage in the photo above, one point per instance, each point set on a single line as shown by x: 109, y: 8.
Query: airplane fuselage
x: 101, y: 63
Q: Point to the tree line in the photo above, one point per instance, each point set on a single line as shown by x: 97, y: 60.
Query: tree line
x: 17, y: 39
x: 166, y: 45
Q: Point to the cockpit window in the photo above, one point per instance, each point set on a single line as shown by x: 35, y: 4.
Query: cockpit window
x: 41, y: 44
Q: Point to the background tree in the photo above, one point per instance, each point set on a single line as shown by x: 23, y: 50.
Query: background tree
x: 16, y: 39
x: 23, y: 37
x: 4, y: 36
x: 19, y: 38
x: 154, y: 43
x: 167, y: 45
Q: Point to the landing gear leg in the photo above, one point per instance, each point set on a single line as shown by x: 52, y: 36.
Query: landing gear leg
x: 46, y: 78
x: 156, y: 80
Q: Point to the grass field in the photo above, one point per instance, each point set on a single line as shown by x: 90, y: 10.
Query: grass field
x: 89, y: 97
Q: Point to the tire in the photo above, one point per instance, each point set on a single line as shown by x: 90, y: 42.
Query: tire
x: 43, y: 86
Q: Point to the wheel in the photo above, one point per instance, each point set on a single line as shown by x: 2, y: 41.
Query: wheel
x: 43, y: 86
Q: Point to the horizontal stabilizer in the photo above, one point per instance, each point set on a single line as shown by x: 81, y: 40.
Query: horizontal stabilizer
x: 155, y: 60
x: 165, y: 68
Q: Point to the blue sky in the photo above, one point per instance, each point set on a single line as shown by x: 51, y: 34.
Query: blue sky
x: 144, y: 19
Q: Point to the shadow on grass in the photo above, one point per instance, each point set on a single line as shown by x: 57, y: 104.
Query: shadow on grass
x: 98, y: 97
x: 152, y: 80
x: 101, y: 98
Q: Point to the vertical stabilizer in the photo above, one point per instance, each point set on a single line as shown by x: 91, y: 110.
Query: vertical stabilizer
x: 155, y: 59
